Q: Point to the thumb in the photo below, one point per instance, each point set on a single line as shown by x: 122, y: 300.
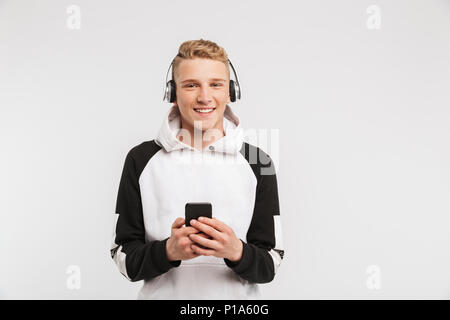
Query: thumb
x: 178, y: 223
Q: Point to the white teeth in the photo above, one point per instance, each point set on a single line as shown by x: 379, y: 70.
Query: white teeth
x: 203, y: 110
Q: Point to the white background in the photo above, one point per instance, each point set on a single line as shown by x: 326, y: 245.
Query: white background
x: 363, y: 119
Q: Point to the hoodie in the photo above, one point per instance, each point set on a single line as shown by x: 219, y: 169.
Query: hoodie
x: 160, y: 176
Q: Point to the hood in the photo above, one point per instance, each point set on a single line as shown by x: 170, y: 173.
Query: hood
x: 230, y: 143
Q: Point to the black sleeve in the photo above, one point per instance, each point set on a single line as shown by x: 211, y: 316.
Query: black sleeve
x: 263, y: 252
x: 136, y: 259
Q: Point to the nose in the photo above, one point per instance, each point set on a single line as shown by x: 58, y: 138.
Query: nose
x: 204, y: 96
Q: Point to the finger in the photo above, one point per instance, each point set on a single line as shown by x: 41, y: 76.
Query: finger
x: 215, y: 223
x: 212, y: 244
x: 189, y: 230
x: 204, y: 252
x: 204, y: 235
x: 201, y: 234
x: 206, y: 229
x: 178, y: 223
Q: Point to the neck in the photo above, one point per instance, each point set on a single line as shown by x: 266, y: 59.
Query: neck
x: 199, y: 138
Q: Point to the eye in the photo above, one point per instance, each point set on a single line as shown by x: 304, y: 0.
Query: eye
x: 190, y: 85
x: 217, y: 84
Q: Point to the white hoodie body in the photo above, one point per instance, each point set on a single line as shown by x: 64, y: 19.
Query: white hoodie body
x: 169, y: 174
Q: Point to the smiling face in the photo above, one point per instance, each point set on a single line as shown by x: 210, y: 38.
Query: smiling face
x: 202, y: 92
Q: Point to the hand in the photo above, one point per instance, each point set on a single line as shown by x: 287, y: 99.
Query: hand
x: 178, y: 246
x: 223, y: 242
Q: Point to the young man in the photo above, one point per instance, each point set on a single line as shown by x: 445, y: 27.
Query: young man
x: 220, y: 258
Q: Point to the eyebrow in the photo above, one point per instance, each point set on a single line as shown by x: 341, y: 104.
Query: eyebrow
x: 194, y: 80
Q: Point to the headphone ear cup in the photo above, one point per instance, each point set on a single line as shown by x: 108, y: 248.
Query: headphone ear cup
x: 172, y: 91
x: 232, y: 91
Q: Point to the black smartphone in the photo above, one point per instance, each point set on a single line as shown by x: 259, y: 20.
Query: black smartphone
x: 194, y: 210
